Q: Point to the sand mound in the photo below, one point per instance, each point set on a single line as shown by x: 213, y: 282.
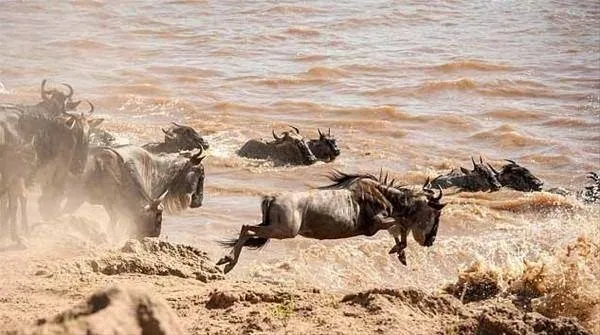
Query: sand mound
x: 380, y: 300
x: 154, y: 257
x: 225, y: 298
x: 504, y: 318
x: 113, y: 311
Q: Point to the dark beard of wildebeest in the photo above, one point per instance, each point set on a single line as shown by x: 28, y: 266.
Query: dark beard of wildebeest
x: 16, y: 168
x: 324, y: 148
x: 182, y: 175
x: 517, y: 177
x: 353, y: 205
x: 113, y: 182
x: 288, y: 148
x: 62, y: 146
x: 591, y: 193
x: 177, y: 138
x: 481, y: 178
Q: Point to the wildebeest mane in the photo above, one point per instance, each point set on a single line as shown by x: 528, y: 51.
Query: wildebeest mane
x: 129, y: 170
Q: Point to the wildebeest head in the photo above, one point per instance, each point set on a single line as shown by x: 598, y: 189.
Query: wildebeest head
x: 59, y: 101
x: 148, y: 221
x: 188, y: 187
x: 184, y: 138
x: 293, y: 138
x: 325, y: 147
x: 425, y: 213
x: 518, y: 177
x: 74, y: 133
x: 481, y: 178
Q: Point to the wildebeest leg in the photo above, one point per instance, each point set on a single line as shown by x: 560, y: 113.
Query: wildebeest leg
x: 23, y: 202
x: 12, y: 216
x: 232, y: 259
x: 400, y: 243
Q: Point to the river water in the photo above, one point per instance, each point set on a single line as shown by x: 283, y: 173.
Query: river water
x: 412, y: 88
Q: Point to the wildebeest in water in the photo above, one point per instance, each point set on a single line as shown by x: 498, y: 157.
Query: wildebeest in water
x: 325, y: 147
x: 288, y: 148
x: 353, y: 205
x: 177, y: 138
x: 481, y: 178
x: 517, y: 177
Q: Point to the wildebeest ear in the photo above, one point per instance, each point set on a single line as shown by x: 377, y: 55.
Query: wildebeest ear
x: 70, y: 122
x: 437, y: 206
x: 95, y: 122
x: 465, y: 171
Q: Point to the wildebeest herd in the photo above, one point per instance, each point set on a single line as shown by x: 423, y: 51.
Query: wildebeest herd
x: 74, y: 161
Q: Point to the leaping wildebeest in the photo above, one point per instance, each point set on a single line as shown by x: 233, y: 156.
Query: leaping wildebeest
x: 288, y: 148
x: 353, y: 205
x: 178, y: 138
x: 481, y: 178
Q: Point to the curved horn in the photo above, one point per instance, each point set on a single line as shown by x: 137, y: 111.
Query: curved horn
x: 275, y: 136
x: 320, y: 133
x: 511, y: 161
x: 177, y: 124
x: 480, y: 159
x: 43, y: 90
x: 198, y: 157
x: 440, y: 195
x: 492, y: 168
x: 70, y: 90
x: 91, y: 107
x: 472, y: 160
x: 295, y: 129
x: 329, y: 132
x: 426, y: 183
x: 168, y: 134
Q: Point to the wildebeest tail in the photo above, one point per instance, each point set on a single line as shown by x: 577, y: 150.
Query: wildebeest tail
x: 254, y: 242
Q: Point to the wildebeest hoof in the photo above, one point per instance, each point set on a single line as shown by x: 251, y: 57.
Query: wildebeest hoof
x: 228, y: 267
x: 225, y: 260
x: 402, y: 257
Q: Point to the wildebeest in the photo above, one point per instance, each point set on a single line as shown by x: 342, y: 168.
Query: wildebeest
x: 517, y: 177
x: 62, y: 145
x: 177, y: 138
x: 325, y: 147
x: 591, y: 193
x: 54, y: 103
x: 115, y: 183
x: 182, y: 175
x: 17, y: 165
x: 481, y: 178
x: 288, y: 148
x: 353, y: 205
